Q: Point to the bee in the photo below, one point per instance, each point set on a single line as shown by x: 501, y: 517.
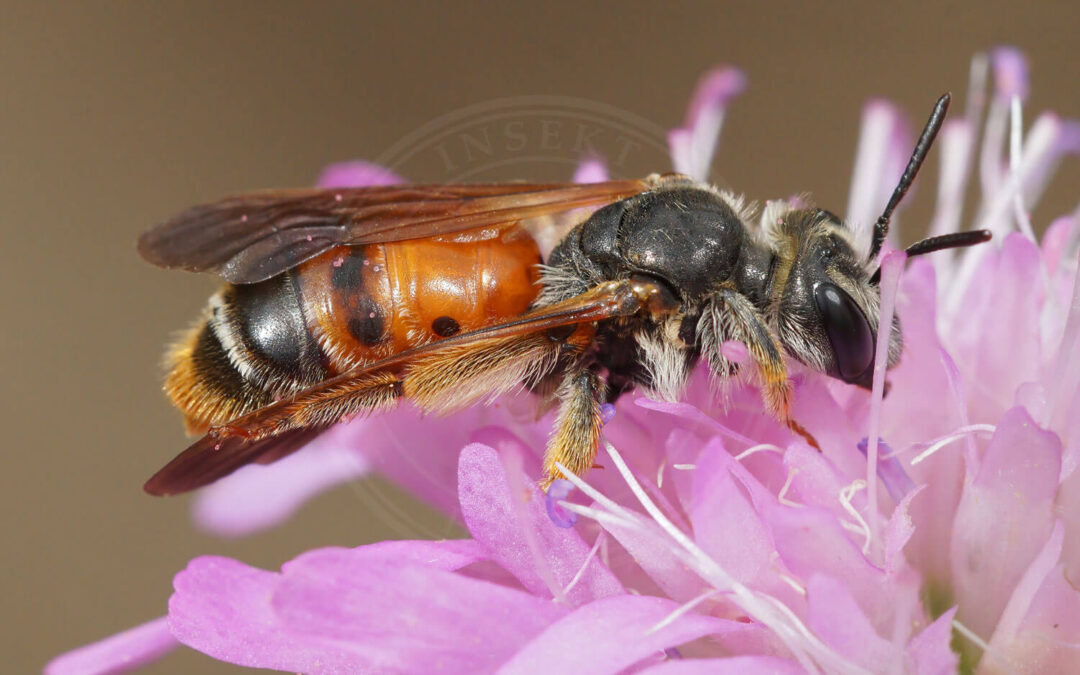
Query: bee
x: 341, y: 302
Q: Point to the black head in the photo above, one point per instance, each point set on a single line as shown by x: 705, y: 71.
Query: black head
x: 825, y: 296
x: 825, y: 308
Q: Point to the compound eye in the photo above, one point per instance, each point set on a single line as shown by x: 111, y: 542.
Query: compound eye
x: 849, y: 332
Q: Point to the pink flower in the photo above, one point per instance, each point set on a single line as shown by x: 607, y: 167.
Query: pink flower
x: 939, y: 528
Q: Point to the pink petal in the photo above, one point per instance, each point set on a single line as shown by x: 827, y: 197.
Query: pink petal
x: 837, y: 430
x: 910, y: 415
x: 680, y: 146
x: 448, y: 555
x: 261, y: 496
x: 835, y: 616
x: 811, y: 540
x: 120, y: 653
x: 222, y: 608
x: 721, y: 514
x: 591, y: 170
x: 1001, y: 294
x: 751, y: 471
x: 648, y: 551
x: 892, y: 265
x: 357, y: 174
x: 1010, y: 72
x: 691, y: 413
x: 954, y: 148
x: 716, y: 89
x: 1055, y: 244
x: 693, y: 145
x: 356, y: 610
x: 882, y: 123
x: 420, y: 452
x: 735, y: 351
x: 1004, y: 518
x: 737, y: 665
x: 406, y: 618
x: 930, y: 650
x: 1047, y: 141
x: 1068, y: 510
x: 609, y: 635
x: 816, y: 481
x: 992, y: 165
x: 1063, y: 376
x: 1029, y: 584
x: 898, y: 532
x: 504, y: 520
x: 1049, y: 636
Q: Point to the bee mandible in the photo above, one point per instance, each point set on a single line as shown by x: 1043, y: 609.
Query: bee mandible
x: 341, y: 302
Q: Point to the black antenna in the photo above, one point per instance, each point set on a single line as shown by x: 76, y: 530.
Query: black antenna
x: 940, y: 243
x: 944, y: 241
x: 929, y: 133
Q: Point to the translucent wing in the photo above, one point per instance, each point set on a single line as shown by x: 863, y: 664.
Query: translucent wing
x: 250, y: 238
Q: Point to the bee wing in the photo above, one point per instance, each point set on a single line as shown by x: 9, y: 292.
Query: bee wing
x: 250, y: 238
x: 270, y: 433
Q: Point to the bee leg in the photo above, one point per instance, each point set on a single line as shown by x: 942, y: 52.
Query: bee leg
x: 577, y: 430
x: 731, y: 316
x: 364, y: 395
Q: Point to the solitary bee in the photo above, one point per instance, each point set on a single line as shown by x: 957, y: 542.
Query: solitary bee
x: 340, y: 302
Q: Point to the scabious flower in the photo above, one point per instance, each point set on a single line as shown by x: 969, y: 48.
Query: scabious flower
x: 938, y: 529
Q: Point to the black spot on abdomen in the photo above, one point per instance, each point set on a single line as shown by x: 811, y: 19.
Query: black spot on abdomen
x: 445, y: 326
x: 368, y: 323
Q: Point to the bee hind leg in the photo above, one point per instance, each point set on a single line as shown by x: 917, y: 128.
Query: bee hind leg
x: 356, y: 396
x: 576, y: 437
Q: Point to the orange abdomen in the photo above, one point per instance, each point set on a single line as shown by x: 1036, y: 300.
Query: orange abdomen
x: 364, y: 303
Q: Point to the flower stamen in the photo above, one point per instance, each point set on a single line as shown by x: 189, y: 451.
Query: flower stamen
x: 782, y: 495
x: 682, y: 609
x: 942, y: 441
x: 848, y: 493
x: 790, y: 581
x: 982, y: 644
x: 758, y: 448
x: 588, y: 559
x: 1016, y: 123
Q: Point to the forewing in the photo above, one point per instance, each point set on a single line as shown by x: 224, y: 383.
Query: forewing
x: 253, y: 237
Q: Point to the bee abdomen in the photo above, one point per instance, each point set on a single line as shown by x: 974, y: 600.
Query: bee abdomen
x: 269, y: 334
x: 253, y: 346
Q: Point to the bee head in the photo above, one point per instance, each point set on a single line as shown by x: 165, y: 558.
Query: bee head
x: 825, y: 298
x: 824, y: 303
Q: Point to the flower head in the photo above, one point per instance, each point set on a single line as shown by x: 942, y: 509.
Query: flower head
x: 938, y: 528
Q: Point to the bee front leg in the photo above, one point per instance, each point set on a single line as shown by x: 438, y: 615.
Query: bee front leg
x: 577, y: 430
x: 731, y: 316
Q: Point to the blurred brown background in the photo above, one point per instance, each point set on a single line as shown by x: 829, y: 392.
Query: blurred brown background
x: 113, y: 116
